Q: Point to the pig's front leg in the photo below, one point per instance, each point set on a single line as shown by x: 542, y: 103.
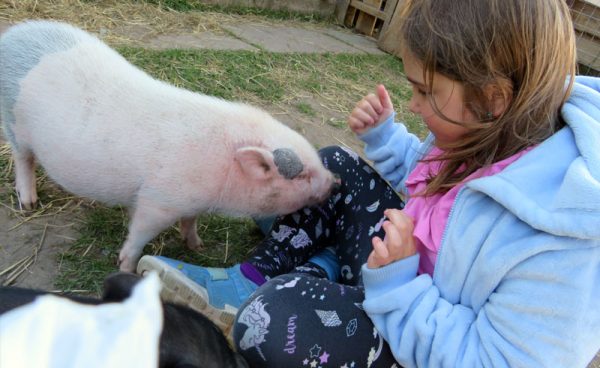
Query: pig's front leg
x: 189, y: 233
x: 25, y: 179
x: 147, y: 221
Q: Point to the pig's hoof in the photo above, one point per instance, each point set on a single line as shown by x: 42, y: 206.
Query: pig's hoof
x: 125, y: 265
x: 26, y: 205
x: 196, y: 244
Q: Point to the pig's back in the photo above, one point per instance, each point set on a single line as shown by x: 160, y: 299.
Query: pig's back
x: 21, y: 48
x: 69, y: 98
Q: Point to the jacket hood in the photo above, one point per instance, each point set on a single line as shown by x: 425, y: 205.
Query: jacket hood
x: 556, y: 186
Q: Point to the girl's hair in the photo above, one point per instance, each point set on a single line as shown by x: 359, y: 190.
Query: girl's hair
x: 517, y: 53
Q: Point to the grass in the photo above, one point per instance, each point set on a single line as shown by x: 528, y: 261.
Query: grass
x: 330, y: 82
x: 337, y: 81
x: 306, y: 109
x: 94, y: 255
x: 197, y: 5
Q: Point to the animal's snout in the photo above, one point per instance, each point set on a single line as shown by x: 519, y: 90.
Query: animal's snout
x: 288, y: 163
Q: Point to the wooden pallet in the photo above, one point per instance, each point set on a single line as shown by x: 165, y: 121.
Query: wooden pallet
x: 586, y: 19
x: 389, y: 40
x: 367, y: 16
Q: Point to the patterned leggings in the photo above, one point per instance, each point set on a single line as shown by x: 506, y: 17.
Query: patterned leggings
x: 299, y: 318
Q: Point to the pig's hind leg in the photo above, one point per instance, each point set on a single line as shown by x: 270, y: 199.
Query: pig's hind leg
x: 189, y: 233
x: 147, y: 221
x: 25, y: 178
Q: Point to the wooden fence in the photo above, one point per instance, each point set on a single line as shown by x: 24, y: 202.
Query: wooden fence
x: 379, y: 19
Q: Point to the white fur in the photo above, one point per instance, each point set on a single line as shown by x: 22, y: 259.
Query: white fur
x: 104, y: 129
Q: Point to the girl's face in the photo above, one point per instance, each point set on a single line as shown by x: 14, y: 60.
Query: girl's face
x: 449, y: 98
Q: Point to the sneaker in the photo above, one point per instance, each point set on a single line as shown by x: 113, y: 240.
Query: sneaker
x: 215, y: 292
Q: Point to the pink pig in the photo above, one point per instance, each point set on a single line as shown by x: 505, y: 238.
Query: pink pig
x: 106, y: 130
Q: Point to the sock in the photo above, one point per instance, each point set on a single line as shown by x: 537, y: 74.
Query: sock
x: 327, y: 260
x: 252, y: 274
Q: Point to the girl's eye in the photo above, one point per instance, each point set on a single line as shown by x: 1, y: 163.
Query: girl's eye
x: 419, y: 91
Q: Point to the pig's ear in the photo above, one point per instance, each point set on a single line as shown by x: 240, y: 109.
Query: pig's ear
x: 256, y: 162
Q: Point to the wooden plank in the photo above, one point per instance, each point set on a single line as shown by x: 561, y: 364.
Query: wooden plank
x: 350, y: 18
x: 588, y: 52
x: 586, y: 17
x: 369, y: 9
x: 341, y: 9
x: 366, y: 23
x: 593, y: 2
x: 389, y: 40
x: 390, y: 7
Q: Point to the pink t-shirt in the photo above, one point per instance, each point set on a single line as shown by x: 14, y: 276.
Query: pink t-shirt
x: 430, y: 213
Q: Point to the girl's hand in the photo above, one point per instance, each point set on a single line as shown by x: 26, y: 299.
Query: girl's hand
x: 370, y: 111
x: 398, y: 242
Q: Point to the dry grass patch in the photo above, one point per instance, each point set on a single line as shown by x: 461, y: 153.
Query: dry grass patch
x: 115, y: 19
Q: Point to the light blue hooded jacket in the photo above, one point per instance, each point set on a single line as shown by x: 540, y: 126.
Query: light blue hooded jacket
x: 517, y: 278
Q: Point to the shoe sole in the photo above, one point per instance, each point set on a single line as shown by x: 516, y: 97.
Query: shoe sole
x: 179, y: 289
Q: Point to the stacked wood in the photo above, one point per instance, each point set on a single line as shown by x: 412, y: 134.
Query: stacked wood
x: 369, y: 17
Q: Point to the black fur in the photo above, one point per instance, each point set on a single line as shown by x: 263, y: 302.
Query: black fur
x: 188, y: 338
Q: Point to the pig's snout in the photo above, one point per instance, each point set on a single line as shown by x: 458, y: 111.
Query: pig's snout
x: 288, y: 163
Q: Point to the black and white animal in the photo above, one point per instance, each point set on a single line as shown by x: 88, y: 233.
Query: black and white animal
x: 188, y: 338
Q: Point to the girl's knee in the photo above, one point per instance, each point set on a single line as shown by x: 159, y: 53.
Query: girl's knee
x: 340, y: 160
x: 329, y: 151
x: 254, y: 318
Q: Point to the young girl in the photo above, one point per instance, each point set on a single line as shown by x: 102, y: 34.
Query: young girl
x: 494, y: 260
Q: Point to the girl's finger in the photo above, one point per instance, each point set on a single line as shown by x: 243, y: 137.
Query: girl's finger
x: 367, y: 106
x: 393, y: 237
x: 374, y: 101
x: 362, y: 116
x: 384, y: 97
x: 356, y: 124
x: 375, y: 259
x: 380, y: 248
x: 400, y: 219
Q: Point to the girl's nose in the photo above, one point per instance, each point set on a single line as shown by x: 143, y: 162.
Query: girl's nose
x: 413, y: 105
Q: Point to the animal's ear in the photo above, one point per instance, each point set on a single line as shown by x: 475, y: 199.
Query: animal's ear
x: 118, y: 286
x: 256, y: 162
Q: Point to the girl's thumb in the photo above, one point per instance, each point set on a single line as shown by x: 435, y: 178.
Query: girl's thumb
x: 384, y: 97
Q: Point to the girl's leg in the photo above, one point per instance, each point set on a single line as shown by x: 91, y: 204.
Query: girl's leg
x: 347, y: 221
x: 297, y: 320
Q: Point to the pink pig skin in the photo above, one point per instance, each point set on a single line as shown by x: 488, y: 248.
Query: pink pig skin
x: 106, y: 130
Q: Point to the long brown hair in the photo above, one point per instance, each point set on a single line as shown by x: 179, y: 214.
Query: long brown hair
x: 519, y: 52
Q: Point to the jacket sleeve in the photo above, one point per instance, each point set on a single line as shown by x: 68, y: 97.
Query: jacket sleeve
x: 535, y: 317
x: 393, y: 150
